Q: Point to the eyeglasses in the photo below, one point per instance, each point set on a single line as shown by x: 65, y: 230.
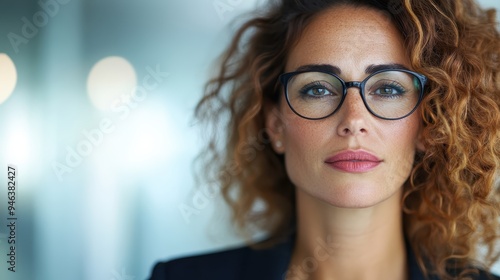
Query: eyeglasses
x: 389, y: 94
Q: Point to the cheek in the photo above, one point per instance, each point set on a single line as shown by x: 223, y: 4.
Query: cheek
x: 303, y: 134
x: 302, y: 137
x: 409, y: 131
x: 402, y: 148
x: 299, y: 137
x: 303, y: 140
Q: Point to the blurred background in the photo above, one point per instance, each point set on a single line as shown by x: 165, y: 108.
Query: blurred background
x: 96, y: 114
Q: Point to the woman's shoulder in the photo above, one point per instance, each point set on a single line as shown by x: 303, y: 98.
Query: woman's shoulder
x: 238, y: 263
x: 205, y: 266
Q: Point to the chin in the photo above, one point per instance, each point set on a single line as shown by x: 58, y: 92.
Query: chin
x: 357, y: 196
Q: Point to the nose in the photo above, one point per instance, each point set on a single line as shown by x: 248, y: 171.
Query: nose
x: 353, y: 115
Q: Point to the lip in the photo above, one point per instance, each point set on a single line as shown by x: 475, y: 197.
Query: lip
x: 353, y: 161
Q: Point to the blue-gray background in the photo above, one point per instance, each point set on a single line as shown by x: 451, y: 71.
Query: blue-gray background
x: 105, y: 185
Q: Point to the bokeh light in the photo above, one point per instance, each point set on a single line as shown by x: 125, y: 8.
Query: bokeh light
x: 8, y: 77
x: 111, y: 79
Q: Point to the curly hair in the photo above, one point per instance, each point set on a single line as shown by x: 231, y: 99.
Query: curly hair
x: 451, y: 200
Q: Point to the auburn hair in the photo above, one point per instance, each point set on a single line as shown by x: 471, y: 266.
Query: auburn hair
x: 451, y: 200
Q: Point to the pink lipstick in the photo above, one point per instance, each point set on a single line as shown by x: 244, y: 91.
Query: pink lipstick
x: 353, y: 161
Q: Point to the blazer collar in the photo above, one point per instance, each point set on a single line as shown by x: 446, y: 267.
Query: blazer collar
x: 273, y: 263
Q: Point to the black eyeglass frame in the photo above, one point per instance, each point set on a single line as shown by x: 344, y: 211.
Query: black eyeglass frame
x: 285, y: 78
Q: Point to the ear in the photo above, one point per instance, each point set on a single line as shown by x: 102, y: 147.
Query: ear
x: 275, y: 128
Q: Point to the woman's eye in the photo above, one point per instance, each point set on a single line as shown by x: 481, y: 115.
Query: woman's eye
x: 317, y: 91
x: 387, y: 91
x: 390, y: 90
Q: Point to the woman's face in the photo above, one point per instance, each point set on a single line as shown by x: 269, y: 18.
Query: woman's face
x: 351, y: 159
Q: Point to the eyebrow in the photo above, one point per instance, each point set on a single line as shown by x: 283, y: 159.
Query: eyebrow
x: 336, y: 70
x: 392, y: 66
x: 319, y: 67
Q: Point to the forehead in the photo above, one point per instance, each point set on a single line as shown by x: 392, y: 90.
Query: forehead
x: 351, y: 38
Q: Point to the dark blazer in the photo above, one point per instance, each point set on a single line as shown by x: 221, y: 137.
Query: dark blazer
x: 245, y: 263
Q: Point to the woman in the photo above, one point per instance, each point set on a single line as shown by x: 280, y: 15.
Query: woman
x: 369, y: 132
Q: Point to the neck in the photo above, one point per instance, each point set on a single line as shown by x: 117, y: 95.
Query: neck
x: 340, y: 243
